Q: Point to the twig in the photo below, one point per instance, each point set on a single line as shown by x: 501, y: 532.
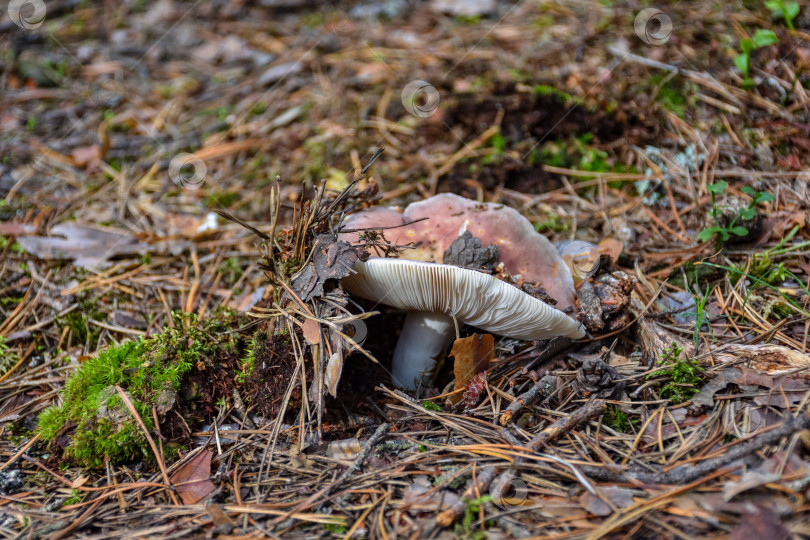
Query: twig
x: 580, y: 416
x: 23, y: 358
x: 540, y: 389
x: 372, y: 441
x: 21, y: 451
x: 691, y: 472
x: 481, y: 483
x: 149, y: 439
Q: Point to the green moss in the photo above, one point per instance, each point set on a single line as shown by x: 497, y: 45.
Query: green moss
x: 618, y: 419
x: 7, y: 358
x: 15, y: 248
x: 75, y: 498
x: 94, y: 417
x: 83, y: 332
x: 761, y: 267
x: 685, y: 375
x: 671, y: 94
x: 467, y: 20
x: 576, y: 152
x: 553, y: 223
x: 231, y: 270
x: 429, y: 405
x: 103, y: 425
x: 247, y: 364
x: 563, y: 97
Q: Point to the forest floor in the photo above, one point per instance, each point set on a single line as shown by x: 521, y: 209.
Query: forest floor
x: 159, y: 377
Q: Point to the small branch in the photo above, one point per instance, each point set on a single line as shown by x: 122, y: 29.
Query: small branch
x: 482, y: 482
x: 158, y: 455
x: 691, y: 472
x: 542, y: 388
x: 372, y: 441
x: 563, y: 425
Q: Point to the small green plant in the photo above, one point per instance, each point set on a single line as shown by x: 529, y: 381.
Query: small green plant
x: 75, y: 498
x: 701, y: 318
x: 684, y: 374
x: 335, y: 528
x: 472, y: 509
x: 563, y: 97
x: 722, y: 232
x: 756, y: 198
x: 429, y: 405
x: 618, y: 419
x: 761, y: 38
x: 786, y: 10
x: 248, y: 363
x: 498, y: 144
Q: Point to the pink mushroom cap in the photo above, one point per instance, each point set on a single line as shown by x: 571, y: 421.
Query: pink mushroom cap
x: 522, y: 250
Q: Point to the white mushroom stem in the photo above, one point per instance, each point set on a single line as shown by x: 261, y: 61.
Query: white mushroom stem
x: 424, y: 338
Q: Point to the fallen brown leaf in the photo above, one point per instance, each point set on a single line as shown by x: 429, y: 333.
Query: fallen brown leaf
x: 472, y: 356
x: 192, y: 481
x: 311, y: 331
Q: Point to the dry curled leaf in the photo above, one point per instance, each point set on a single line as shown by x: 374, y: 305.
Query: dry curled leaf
x: 331, y: 260
x: 472, y: 356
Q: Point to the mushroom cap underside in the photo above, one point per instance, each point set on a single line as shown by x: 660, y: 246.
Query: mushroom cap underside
x: 472, y: 297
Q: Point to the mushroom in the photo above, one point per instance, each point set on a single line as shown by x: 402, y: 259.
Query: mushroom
x: 435, y: 294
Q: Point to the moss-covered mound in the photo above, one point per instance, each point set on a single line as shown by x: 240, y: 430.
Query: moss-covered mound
x: 181, y: 374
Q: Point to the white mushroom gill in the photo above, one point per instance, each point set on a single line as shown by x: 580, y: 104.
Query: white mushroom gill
x: 435, y: 293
